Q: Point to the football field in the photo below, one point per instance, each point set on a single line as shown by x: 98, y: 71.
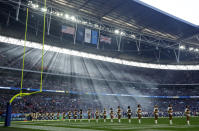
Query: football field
x: 179, y: 124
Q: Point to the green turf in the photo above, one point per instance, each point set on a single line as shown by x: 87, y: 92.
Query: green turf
x: 14, y: 129
x: 179, y: 124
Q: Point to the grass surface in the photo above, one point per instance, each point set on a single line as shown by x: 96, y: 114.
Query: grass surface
x: 179, y: 124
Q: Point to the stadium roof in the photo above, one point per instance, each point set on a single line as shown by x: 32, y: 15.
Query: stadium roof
x: 140, y: 22
x: 130, y: 14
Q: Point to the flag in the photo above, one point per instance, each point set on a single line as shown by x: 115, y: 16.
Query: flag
x: 80, y: 34
x: 87, y: 37
x: 94, y: 39
x: 68, y: 30
x: 105, y: 39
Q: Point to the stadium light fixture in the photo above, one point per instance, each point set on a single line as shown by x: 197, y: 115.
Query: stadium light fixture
x: 96, y: 25
x: 73, y: 18
x: 117, y: 31
x: 196, y: 50
x: 43, y: 9
x: 191, y: 48
x: 182, y: 47
x: 35, y: 6
x: 57, y: 13
x: 133, y: 36
x: 84, y: 22
x: 67, y: 16
x: 122, y: 33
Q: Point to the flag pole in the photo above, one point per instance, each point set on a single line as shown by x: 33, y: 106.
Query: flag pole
x: 75, y: 33
x: 98, y: 42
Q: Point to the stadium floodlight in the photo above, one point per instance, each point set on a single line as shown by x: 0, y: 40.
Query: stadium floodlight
x: 117, y: 31
x: 196, y: 50
x: 57, y: 13
x: 30, y: 2
x: 133, y: 36
x: 43, y: 9
x: 35, y: 6
x: 73, y: 18
x: 122, y: 33
x: 96, y: 25
x: 67, y: 16
x: 182, y: 47
x: 84, y: 22
x: 191, y: 48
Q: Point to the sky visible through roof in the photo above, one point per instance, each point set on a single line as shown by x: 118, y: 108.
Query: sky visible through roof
x: 187, y: 10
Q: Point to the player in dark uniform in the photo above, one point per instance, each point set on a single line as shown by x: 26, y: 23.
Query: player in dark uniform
x: 170, y: 112
x: 75, y: 114
x: 69, y: 115
x: 129, y: 113
x: 89, y: 115
x: 139, y: 113
x: 156, y: 113
x: 97, y: 115
x: 104, y: 114
x: 111, y: 114
x: 80, y: 115
x: 188, y: 114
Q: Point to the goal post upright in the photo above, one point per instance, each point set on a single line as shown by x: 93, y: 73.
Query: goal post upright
x: 21, y: 94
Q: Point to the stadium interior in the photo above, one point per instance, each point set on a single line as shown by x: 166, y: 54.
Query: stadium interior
x: 133, y: 32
